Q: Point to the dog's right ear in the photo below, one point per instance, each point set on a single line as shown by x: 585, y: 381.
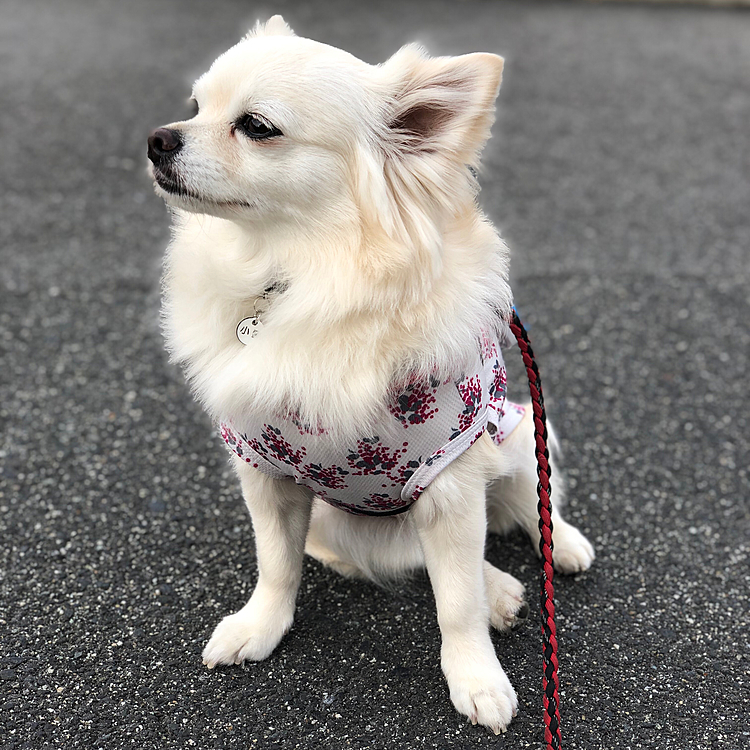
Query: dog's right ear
x: 434, y: 117
x: 441, y: 105
x: 274, y: 26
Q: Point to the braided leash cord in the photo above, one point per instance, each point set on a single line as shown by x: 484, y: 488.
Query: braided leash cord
x: 550, y: 682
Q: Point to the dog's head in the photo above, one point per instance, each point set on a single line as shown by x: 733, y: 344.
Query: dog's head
x: 291, y: 130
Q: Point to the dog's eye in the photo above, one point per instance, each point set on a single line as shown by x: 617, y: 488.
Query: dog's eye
x: 256, y: 127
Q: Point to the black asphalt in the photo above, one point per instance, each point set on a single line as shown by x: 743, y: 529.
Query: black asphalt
x: 618, y: 173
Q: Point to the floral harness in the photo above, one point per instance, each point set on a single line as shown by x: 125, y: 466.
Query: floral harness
x: 383, y: 473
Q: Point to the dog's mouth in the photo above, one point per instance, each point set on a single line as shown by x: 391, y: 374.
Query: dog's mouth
x: 172, y: 184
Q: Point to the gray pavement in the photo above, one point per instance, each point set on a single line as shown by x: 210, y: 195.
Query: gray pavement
x: 619, y: 175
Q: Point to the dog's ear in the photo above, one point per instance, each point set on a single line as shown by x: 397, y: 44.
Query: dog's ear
x: 434, y: 118
x: 274, y: 26
x: 441, y: 105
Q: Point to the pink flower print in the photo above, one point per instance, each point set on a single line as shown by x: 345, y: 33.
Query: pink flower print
x: 371, y: 457
x: 470, y: 390
x: 233, y: 443
x: 323, y: 496
x: 511, y: 408
x: 228, y: 436
x: 258, y: 447
x: 418, y: 490
x: 276, y: 446
x: 403, y: 473
x: 381, y: 501
x: 414, y: 404
x: 434, y: 457
x: 476, y: 437
x: 305, y: 428
x: 331, y: 477
x: 498, y: 386
x: 487, y: 348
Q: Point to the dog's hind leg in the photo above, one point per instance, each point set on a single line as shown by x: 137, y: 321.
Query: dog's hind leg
x: 505, y: 597
x: 280, y: 512
x: 512, y: 500
x: 361, y: 546
x: 379, y: 549
x: 319, y: 546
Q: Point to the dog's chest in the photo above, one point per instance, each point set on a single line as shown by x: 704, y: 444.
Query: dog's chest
x: 384, y: 471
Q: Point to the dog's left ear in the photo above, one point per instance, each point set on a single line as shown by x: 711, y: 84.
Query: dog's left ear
x: 441, y: 105
x: 274, y: 26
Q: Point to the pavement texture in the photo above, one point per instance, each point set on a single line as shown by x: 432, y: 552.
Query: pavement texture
x: 619, y: 175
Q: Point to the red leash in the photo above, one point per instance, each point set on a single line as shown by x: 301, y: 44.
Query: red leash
x: 550, y: 681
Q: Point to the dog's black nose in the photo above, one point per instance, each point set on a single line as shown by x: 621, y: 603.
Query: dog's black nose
x: 163, y: 143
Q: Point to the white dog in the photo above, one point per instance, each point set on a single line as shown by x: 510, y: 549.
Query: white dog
x: 338, y: 302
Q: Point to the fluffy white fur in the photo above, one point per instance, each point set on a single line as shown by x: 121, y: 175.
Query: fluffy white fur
x: 366, y: 208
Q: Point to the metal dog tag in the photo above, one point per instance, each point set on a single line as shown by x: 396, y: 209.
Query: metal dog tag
x: 248, y: 329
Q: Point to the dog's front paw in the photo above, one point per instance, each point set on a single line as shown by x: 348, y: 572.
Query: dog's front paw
x: 248, y: 635
x: 480, y: 688
x: 505, y: 596
x: 572, y: 552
